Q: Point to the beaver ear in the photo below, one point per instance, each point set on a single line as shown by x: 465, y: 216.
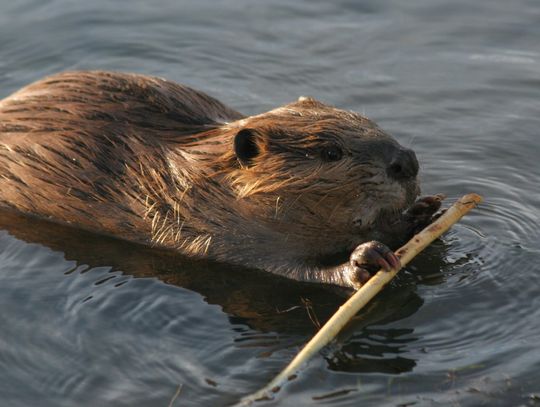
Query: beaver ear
x: 308, y: 101
x: 245, y: 146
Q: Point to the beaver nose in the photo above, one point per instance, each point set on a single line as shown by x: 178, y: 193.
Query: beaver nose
x: 404, y: 166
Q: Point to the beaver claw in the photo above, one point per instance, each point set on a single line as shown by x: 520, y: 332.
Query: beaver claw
x: 368, y: 258
x: 423, y: 212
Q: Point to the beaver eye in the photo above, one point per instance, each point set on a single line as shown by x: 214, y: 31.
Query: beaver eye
x: 331, y: 153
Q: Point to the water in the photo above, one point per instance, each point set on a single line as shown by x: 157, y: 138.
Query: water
x: 90, y: 321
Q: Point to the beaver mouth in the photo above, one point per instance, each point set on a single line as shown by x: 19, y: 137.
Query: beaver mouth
x: 394, y: 214
x: 412, y: 192
x: 388, y: 214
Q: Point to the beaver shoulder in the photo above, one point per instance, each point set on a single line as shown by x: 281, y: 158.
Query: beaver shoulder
x: 155, y: 162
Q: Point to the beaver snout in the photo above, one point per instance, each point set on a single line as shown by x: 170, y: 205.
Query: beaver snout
x: 404, y: 165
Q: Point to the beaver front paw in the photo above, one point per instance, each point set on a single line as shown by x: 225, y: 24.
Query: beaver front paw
x: 367, y: 259
x: 423, y: 212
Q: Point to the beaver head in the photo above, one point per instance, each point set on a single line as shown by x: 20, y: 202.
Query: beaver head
x: 319, y: 175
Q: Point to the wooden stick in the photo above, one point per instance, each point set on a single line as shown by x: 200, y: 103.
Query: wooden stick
x: 375, y: 284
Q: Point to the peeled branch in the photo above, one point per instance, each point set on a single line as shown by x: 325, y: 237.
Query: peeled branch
x: 375, y: 284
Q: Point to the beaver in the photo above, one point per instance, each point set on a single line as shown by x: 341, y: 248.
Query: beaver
x: 305, y: 191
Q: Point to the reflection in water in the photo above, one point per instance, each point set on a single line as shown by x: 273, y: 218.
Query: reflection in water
x: 262, y: 301
x: 367, y: 346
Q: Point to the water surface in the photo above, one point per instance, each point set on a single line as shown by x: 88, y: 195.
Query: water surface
x: 90, y: 321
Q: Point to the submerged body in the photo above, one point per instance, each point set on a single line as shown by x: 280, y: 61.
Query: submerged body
x: 140, y: 158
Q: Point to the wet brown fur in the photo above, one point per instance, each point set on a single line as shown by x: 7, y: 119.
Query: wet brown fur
x: 151, y: 161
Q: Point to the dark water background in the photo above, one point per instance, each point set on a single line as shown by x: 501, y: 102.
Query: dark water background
x: 88, y: 321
